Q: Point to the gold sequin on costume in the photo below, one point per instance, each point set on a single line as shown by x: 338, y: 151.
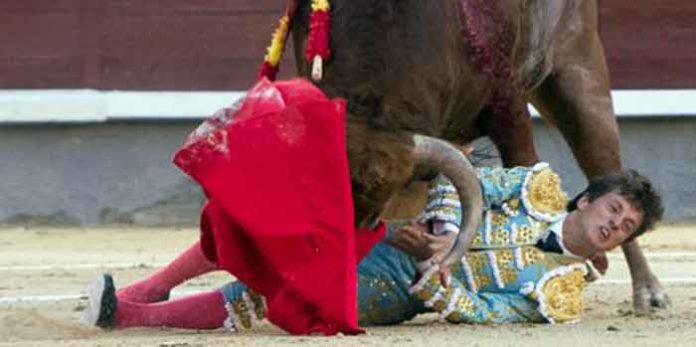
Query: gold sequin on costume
x: 531, y: 255
x: 514, y: 204
x: 243, y: 311
x: 525, y: 235
x: 504, y: 260
x: 477, y: 242
x: 463, y: 304
x: 500, y: 237
x: 498, y: 219
x: 477, y: 262
x: 505, y: 257
x: 508, y: 274
x: 559, y: 293
x: 545, y: 194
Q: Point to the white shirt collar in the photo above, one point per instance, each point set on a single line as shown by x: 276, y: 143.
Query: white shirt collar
x: 557, y: 228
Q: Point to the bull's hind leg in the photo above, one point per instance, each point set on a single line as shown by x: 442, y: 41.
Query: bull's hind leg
x: 576, y: 98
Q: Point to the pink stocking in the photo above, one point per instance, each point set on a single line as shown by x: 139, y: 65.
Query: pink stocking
x: 198, y: 311
x: 189, y: 264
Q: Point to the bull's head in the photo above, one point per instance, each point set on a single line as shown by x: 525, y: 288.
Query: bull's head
x: 384, y: 162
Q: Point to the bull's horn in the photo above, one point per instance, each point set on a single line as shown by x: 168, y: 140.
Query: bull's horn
x: 434, y: 156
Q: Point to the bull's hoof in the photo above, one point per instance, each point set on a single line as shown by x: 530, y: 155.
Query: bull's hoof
x: 648, y: 296
x: 660, y: 300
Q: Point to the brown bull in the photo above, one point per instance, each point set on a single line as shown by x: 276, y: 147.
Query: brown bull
x: 461, y: 69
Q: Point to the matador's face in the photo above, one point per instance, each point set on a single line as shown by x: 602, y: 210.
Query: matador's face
x: 608, y: 220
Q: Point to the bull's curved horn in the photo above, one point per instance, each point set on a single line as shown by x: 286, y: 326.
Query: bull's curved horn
x: 434, y: 156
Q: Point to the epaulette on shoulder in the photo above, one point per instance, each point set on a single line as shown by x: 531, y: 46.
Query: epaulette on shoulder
x: 559, y: 293
x: 542, y: 194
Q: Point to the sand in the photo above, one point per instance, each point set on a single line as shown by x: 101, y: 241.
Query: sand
x: 44, y: 271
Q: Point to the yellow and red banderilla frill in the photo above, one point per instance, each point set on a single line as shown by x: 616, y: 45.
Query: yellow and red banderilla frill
x: 317, y: 51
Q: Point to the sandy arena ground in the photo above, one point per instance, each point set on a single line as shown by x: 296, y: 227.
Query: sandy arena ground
x: 44, y: 271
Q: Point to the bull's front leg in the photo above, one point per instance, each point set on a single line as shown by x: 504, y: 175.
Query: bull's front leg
x: 576, y: 98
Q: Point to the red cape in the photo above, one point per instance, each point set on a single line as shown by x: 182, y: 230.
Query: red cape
x: 279, y: 214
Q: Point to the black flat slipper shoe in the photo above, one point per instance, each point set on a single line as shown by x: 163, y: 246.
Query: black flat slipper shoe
x: 101, y: 303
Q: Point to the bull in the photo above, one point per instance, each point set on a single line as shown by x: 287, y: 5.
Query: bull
x: 457, y: 70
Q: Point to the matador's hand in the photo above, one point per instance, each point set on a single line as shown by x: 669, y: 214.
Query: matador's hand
x: 416, y: 241
x: 600, y: 262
